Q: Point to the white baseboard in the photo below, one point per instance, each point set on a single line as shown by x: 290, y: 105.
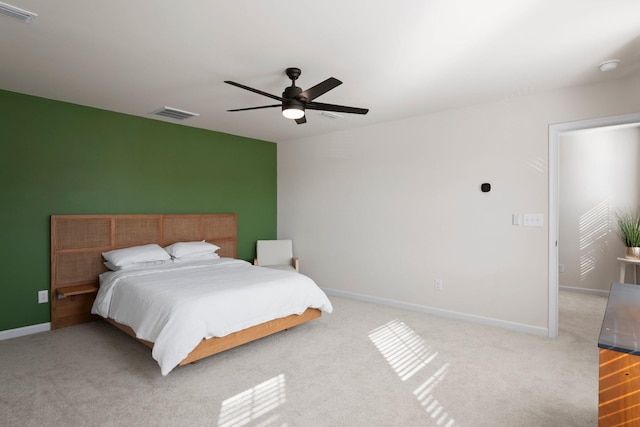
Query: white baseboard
x: 584, y: 291
x: 27, y: 330
x: 513, y: 326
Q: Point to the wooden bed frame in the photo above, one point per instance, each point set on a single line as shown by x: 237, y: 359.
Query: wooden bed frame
x: 77, y: 243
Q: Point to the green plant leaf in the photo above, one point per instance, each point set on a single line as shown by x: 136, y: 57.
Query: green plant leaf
x: 629, y: 228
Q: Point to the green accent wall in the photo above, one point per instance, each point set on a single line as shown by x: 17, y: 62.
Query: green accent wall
x: 61, y: 158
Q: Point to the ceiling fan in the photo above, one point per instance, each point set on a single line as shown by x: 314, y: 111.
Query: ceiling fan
x: 294, y: 101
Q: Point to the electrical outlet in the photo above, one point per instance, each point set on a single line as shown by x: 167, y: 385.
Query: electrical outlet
x: 437, y: 284
x: 560, y: 268
x: 43, y: 297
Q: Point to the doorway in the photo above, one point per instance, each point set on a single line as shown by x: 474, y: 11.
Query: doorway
x: 555, y: 132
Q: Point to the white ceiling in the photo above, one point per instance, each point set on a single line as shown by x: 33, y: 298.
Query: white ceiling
x: 399, y: 59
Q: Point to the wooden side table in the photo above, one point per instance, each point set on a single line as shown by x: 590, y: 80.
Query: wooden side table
x: 71, y: 305
x: 623, y: 268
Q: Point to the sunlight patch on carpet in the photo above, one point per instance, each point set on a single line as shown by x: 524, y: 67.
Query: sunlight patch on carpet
x: 405, y: 351
x: 255, y: 405
x: 408, y: 354
x: 430, y: 403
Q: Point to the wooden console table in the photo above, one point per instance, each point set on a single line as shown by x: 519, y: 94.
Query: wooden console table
x: 619, y: 343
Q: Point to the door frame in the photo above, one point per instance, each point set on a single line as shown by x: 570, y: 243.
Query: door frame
x: 555, y: 132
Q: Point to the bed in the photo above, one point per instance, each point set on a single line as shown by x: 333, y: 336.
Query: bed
x: 77, y: 245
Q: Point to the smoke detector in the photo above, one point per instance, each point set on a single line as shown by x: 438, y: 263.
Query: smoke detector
x: 609, y: 65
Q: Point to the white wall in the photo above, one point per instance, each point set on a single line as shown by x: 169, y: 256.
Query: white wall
x: 385, y: 210
x: 599, y: 176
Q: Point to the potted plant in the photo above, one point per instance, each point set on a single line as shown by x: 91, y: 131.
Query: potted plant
x: 629, y: 232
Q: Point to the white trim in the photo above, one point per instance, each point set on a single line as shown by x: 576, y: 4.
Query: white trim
x: 554, y: 139
x: 552, y: 306
x: 513, y: 326
x: 26, y: 330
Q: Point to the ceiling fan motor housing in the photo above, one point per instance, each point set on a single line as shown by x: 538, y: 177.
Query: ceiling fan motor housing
x: 292, y: 92
x: 293, y: 104
x: 291, y: 100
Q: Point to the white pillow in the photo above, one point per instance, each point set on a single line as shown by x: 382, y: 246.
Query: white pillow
x: 135, y: 254
x: 198, y: 257
x: 135, y: 264
x: 182, y: 249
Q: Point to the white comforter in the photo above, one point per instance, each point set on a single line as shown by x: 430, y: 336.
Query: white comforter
x: 176, y: 305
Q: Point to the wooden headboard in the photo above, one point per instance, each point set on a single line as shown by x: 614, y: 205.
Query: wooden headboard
x: 77, y: 243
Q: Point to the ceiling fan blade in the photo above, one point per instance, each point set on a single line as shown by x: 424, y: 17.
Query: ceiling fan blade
x: 336, y: 108
x: 302, y: 120
x: 250, y: 89
x: 320, y: 89
x: 256, y: 108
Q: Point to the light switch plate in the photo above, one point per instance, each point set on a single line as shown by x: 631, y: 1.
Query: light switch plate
x: 516, y: 219
x: 533, y: 220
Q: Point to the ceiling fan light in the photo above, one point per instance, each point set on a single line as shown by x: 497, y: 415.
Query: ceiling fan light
x: 293, y: 111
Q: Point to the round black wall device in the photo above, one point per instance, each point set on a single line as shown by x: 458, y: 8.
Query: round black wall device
x: 486, y: 187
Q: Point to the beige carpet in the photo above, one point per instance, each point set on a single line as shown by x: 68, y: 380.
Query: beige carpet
x: 363, y: 365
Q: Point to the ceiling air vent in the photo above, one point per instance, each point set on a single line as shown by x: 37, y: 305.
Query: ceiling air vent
x: 17, y: 13
x: 174, y: 113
